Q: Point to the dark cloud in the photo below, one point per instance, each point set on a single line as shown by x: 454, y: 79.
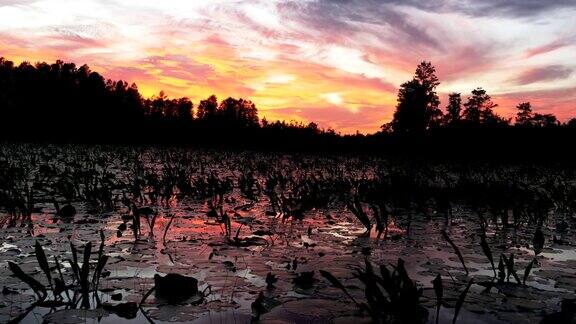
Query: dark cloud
x: 515, y: 8
x: 342, y: 18
x: 546, y: 73
x: 511, y: 8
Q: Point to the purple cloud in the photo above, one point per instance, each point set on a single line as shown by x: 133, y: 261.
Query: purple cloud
x: 546, y: 73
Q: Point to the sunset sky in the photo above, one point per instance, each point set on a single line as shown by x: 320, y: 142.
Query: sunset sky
x: 336, y: 62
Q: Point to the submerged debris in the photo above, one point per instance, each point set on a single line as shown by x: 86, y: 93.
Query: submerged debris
x: 175, y: 287
x: 124, y: 310
x: 304, y: 280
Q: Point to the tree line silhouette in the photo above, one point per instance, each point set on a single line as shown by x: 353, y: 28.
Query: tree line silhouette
x: 63, y: 102
x: 418, y: 109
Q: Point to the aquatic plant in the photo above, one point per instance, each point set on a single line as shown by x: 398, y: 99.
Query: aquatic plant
x: 456, y: 250
x: 510, y: 268
x: 381, y: 217
x: 487, y: 251
x: 439, y: 291
x: 270, y: 280
x: 538, y: 241
x: 507, y: 268
x: 263, y: 304
x: 391, y: 296
x: 384, y: 195
x: 57, y: 285
x: 36, y: 286
x: 527, y: 271
x: 356, y: 208
x: 460, y: 301
x: 167, y: 228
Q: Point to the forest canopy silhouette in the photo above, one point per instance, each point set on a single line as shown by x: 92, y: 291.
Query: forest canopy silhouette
x: 64, y: 102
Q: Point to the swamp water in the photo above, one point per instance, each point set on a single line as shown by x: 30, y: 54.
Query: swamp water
x: 188, y: 237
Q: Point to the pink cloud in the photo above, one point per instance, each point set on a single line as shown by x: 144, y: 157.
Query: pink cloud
x: 547, y: 48
x: 544, y: 73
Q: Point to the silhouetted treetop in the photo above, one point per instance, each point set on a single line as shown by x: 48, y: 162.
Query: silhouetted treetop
x: 161, y: 108
x: 207, y: 108
x: 526, y: 118
x: 524, y: 114
x: 479, y: 110
x: 417, y: 109
x: 453, y: 114
x: 238, y: 112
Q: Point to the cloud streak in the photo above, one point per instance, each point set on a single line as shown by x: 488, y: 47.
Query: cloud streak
x: 546, y: 73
